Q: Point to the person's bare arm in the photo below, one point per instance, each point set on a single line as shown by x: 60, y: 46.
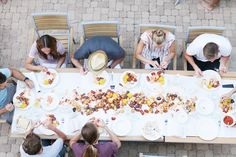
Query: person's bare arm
x: 30, y: 66
x: 61, y: 60
x: 18, y: 75
x: 3, y: 110
x: 138, y: 55
x: 172, y: 52
x: 114, y: 138
x: 194, y: 65
x: 75, y: 62
x: 74, y: 139
x: 58, y: 132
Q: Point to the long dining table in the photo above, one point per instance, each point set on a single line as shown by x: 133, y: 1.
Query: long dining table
x: 183, y: 82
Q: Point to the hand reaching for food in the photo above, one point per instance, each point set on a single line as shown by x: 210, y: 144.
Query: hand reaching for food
x: 48, y: 123
x: 100, y: 123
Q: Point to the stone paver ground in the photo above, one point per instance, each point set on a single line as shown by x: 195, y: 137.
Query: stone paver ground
x: 16, y: 23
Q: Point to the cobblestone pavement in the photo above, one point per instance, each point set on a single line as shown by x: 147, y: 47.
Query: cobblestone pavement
x: 16, y: 23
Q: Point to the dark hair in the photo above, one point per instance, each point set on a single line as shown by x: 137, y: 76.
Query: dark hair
x: 47, y: 41
x: 32, y: 144
x: 210, y: 50
x: 89, y: 133
x: 3, y: 78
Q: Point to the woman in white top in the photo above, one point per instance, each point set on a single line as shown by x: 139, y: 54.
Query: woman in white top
x: 208, y: 52
x: 47, y: 52
x: 156, y: 49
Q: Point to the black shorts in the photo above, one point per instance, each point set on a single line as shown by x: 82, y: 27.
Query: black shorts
x: 208, y: 65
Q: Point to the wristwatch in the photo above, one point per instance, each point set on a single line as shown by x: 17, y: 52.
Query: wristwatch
x: 26, y: 78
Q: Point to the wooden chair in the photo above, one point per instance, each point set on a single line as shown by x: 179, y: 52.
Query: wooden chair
x: 101, y: 28
x: 143, y: 28
x: 56, y: 25
x: 194, y: 32
x: 2, y: 121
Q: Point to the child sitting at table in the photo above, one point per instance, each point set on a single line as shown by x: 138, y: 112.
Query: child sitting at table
x: 34, y: 146
x: 91, y: 147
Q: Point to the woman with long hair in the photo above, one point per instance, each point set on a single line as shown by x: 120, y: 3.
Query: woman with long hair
x: 46, y: 52
x: 156, y: 49
x: 91, y: 147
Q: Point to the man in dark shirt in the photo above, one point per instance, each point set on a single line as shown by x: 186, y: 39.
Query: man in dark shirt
x: 112, y: 49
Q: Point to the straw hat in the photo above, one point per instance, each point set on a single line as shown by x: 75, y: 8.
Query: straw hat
x: 97, y: 61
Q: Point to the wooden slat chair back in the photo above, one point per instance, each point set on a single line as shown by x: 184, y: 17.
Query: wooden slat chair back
x: 195, y: 31
x: 145, y: 27
x: 101, y: 28
x: 56, y: 25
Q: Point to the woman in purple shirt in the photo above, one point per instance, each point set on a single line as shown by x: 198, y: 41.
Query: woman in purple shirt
x: 91, y: 147
x: 46, y: 52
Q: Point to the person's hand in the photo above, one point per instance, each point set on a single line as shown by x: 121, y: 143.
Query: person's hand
x: 29, y: 83
x: 83, y: 71
x: 198, y: 71
x: 9, y: 107
x: 226, y: 95
x: 43, y: 69
x: 222, y: 69
x: 154, y: 64
x: 99, y: 123
x: 164, y: 64
x: 48, y: 123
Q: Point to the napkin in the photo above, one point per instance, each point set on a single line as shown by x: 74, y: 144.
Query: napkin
x: 36, y: 84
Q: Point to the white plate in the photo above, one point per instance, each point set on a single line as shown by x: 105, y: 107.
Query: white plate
x: 205, y: 106
x: 154, y: 86
x: 28, y: 94
x: 49, y: 107
x: 129, y: 85
x: 207, y: 128
x: 42, y: 76
x: 210, y: 74
x: 121, y: 126
x: 151, y: 131
x: 104, y: 74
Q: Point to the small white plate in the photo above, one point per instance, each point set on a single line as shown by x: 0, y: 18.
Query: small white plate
x: 121, y: 127
x: 28, y: 94
x: 207, y: 128
x: 104, y: 74
x: 151, y: 131
x: 43, y: 76
x: 49, y: 107
x: 128, y: 84
x: 207, y: 75
x: 205, y: 106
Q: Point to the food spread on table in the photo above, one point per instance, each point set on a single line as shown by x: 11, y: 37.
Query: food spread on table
x: 156, y: 77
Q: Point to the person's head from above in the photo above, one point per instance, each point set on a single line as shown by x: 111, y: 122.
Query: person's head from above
x: 3, y: 81
x: 211, y: 51
x: 47, y: 45
x: 32, y: 144
x: 90, y: 134
x: 158, y: 37
x: 97, y: 61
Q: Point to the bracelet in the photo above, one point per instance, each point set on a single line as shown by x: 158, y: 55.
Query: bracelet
x: 26, y: 78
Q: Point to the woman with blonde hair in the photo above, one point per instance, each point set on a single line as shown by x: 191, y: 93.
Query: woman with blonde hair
x: 91, y: 147
x: 48, y: 52
x: 156, y: 49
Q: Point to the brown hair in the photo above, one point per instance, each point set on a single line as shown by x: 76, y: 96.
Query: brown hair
x: 89, y: 133
x: 158, y: 36
x: 210, y: 50
x: 47, y: 41
x: 32, y: 144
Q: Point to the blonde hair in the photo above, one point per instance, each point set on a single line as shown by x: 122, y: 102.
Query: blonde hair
x: 158, y: 36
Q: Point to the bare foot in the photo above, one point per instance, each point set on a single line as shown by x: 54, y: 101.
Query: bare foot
x: 206, y: 5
